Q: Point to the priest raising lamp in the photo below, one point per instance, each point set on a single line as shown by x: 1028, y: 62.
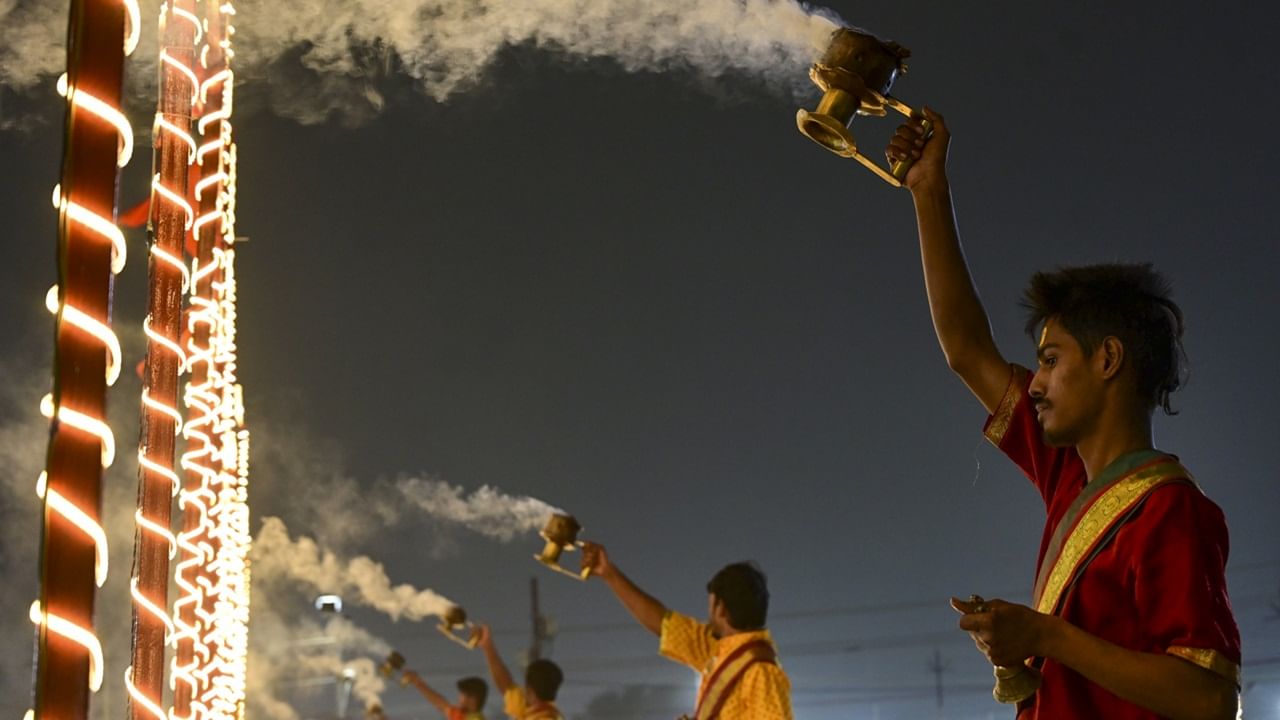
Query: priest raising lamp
x: 855, y: 75
x: 561, y: 534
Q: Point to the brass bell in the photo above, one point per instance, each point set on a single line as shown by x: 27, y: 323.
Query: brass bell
x: 1015, y: 684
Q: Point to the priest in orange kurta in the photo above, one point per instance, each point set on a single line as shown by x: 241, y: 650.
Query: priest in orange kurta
x: 734, y: 653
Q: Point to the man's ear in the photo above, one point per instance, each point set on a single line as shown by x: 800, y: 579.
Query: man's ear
x: 1110, y: 357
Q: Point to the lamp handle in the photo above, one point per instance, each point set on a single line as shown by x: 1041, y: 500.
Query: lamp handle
x: 900, y: 168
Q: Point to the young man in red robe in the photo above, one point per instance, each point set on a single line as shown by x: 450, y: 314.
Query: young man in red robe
x: 1130, y: 617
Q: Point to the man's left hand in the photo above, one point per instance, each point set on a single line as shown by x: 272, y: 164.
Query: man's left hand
x: 1007, y: 633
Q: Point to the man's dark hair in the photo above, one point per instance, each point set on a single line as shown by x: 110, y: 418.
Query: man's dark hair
x: 476, y: 688
x: 544, y: 678
x: 744, y: 590
x: 1128, y: 301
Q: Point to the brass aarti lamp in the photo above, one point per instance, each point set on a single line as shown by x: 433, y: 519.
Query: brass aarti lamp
x: 561, y: 534
x: 855, y: 76
x: 452, y: 622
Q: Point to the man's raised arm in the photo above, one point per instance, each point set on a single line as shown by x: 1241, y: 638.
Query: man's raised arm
x: 958, y: 316
x: 497, y: 669
x: 435, y: 698
x: 642, y: 606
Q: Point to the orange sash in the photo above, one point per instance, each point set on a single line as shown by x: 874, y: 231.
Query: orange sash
x: 721, y: 683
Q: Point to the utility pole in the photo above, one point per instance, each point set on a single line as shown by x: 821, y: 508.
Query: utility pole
x: 937, y: 667
x: 539, y: 622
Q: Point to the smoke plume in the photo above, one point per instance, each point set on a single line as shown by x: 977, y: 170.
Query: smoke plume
x: 277, y: 556
x: 487, y: 511
x: 324, y: 58
x: 296, y: 662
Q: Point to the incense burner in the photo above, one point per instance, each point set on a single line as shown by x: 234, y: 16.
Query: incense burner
x: 855, y: 74
x: 560, y: 534
x: 452, y: 622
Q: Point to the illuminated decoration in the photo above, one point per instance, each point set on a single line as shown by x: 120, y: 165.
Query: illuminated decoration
x: 171, y: 216
x: 211, y: 614
x: 73, y: 558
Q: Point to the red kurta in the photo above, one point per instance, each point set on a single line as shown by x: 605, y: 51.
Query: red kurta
x: 1159, y: 586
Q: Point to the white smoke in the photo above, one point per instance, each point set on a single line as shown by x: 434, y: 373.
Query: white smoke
x: 364, y: 580
x: 32, y: 42
x: 290, y: 655
x: 304, y: 479
x: 24, y: 434
x: 487, y: 511
x: 445, y: 46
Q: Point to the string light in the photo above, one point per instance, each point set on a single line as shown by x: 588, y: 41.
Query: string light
x: 84, y: 423
x: 135, y: 694
x: 76, y: 317
x: 81, y: 520
x: 68, y: 488
x: 166, y: 360
x: 101, y: 226
x: 212, y: 612
x: 77, y: 634
x: 83, y: 100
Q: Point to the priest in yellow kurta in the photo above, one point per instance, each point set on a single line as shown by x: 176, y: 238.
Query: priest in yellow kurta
x: 733, y: 651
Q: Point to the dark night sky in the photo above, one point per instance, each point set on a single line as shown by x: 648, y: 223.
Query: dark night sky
x: 662, y: 309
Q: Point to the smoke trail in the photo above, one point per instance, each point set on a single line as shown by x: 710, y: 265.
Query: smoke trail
x: 291, y: 659
x: 24, y: 434
x: 322, y: 58
x: 487, y: 511
x: 277, y: 556
x: 307, y: 482
x: 32, y: 42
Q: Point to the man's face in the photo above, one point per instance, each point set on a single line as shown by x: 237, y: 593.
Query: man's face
x: 467, y: 703
x: 1066, y: 390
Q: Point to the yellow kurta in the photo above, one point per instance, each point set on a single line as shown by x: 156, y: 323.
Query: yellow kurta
x: 515, y: 703
x: 764, y: 692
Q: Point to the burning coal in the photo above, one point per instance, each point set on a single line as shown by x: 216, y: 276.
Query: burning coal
x: 446, y: 45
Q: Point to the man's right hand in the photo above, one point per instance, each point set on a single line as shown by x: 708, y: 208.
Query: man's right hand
x: 929, y: 156
x: 596, y: 559
x: 484, y: 638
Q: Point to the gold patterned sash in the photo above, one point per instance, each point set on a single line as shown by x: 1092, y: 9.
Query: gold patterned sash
x: 1092, y: 522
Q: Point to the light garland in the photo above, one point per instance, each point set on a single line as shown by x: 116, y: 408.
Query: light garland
x: 212, y: 611
x: 171, y: 216
x: 68, y: 487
